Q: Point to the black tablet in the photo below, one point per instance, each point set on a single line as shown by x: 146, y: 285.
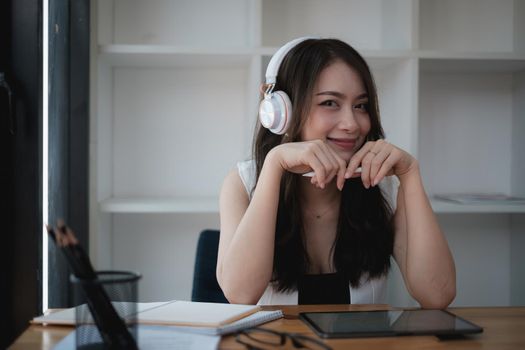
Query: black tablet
x: 348, y: 324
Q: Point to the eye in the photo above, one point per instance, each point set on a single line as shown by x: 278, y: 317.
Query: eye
x: 362, y: 106
x: 329, y: 103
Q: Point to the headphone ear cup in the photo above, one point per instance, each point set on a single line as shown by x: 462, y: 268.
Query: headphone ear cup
x: 275, y: 112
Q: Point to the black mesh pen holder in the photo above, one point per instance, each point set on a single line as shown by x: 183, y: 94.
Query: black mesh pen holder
x: 110, y: 309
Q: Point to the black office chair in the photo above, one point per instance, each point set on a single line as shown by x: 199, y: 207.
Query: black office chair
x: 205, y: 285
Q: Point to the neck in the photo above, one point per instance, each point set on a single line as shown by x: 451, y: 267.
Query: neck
x: 316, y: 199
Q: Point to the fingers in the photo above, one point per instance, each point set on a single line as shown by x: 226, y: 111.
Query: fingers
x: 374, y: 161
x: 51, y: 232
x: 62, y: 235
x: 341, y: 174
x: 382, y: 151
x: 329, y: 163
x: 334, y: 166
x: 377, y: 159
x: 319, y: 170
x: 357, y: 159
x: 366, y: 164
x: 338, y: 166
x: 385, y: 170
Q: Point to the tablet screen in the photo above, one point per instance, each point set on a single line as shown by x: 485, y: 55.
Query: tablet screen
x: 387, y: 323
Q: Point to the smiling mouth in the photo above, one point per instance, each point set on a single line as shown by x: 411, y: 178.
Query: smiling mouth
x: 343, y: 143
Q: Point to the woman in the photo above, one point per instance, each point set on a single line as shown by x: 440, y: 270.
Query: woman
x: 287, y: 238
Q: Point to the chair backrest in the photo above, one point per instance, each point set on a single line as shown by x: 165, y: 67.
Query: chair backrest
x: 205, y: 285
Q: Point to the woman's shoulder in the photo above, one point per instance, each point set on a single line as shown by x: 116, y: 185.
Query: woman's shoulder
x: 233, y: 187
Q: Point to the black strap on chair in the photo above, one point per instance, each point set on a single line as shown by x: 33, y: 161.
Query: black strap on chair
x: 205, y: 285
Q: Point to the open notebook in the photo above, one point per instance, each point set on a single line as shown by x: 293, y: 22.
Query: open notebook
x: 204, y: 318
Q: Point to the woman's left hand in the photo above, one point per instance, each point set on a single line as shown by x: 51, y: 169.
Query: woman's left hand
x: 379, y: 159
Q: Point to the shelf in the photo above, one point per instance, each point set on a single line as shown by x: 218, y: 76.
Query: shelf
x: 469, y: 55
x: 445, y: 207
x: 376, y: 54
x: 211, y: 205
x: 383, y: 59
x: 121, y: 50
x: 201, y: 56
x: 160, y: 205
x: 174, y: 94
x: 468, y: 62
x: 174, y: 56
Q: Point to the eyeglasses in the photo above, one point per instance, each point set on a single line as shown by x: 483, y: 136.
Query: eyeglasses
x: 262, y: 338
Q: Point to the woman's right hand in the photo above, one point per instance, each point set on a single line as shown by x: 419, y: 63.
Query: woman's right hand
x: 316, y: 156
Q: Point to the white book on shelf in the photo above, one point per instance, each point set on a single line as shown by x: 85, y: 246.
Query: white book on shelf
x: 480, y: 198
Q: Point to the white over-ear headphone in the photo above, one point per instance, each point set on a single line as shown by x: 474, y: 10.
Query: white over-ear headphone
x: 275, y: 110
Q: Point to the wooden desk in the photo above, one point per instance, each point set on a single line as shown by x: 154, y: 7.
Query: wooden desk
x: 504, y: 328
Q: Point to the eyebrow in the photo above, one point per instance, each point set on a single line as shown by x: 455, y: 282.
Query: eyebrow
x: 340, y: 95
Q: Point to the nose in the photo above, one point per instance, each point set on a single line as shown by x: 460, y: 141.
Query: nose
x: 348, y: 121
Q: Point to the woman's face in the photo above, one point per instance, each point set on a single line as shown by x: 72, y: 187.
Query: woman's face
x: 339, y: 110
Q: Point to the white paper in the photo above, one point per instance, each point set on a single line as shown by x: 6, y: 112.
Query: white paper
x: 67, y: 316
x: 159, y: 338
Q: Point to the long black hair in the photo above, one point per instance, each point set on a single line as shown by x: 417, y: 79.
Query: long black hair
x: 365, y: 234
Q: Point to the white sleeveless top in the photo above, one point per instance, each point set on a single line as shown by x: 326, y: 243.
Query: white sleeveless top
x: 370, y: 291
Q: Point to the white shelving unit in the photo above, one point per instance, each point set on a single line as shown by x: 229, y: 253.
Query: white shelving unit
x: 175, y: 90
x: 189, y: 204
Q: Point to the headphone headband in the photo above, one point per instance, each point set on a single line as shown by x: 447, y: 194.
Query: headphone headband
x: 277, y: 58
